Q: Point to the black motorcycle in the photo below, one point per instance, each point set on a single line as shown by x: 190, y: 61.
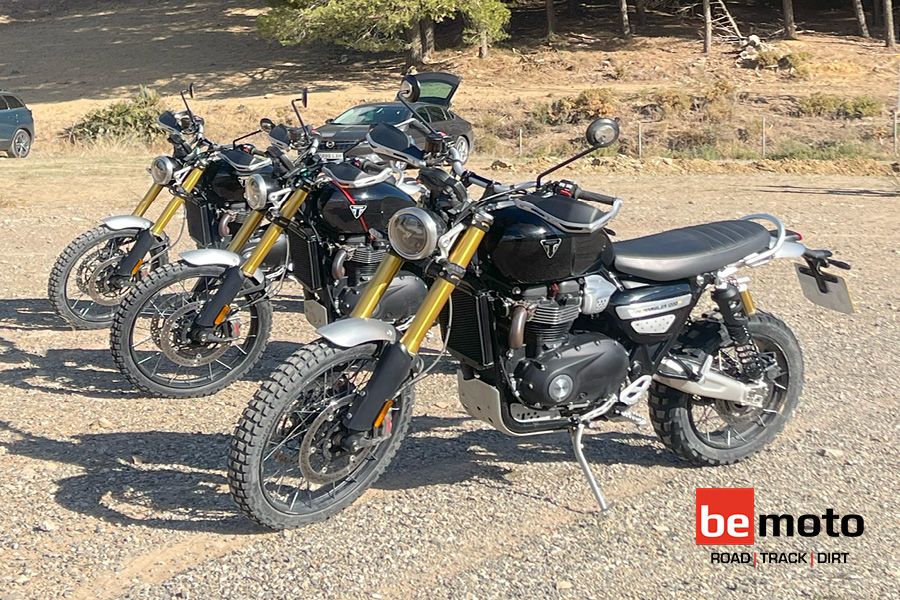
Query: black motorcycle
x: 194, y: 327
x: 95, y: 271
x: 555, y: 328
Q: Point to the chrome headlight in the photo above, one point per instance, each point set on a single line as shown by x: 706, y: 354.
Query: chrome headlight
x: 414, y: 232
x: 162, y: 170
x: 256, y: 192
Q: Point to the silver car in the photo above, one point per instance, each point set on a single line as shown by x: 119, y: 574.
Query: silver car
x: 16, y: 126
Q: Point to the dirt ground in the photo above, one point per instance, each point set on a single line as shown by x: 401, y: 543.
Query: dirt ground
x: 109, y: 494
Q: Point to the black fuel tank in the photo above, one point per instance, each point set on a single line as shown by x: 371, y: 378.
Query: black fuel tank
x: 353, y: 211
x: 523, y: 248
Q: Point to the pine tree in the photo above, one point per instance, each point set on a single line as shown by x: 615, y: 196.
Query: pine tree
x: 790, y: 27
x: 889, y: 39
x: 861, y: 18
x: 378, y: 25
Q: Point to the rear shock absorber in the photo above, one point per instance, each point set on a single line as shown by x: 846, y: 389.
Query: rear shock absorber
x: 728, y: 299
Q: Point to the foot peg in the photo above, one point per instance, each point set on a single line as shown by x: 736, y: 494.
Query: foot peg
x: 626, y: 416
x: 576, y: 433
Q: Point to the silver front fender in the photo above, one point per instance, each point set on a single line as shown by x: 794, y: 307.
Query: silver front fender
x: 211, y: 256
x: 121, y: 222
x: 354, y: 331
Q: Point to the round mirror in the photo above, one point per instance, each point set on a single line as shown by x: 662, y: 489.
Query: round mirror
x: 409, y: 89
x: 266, y: 125
x: 191, y: 90
x: 602, y: 132
x: 305, y: 97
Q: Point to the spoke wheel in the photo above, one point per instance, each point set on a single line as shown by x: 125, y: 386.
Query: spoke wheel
x: 80, y: 286
x: 292, y: 462
x: 155, y: 343
x: 707, y: 431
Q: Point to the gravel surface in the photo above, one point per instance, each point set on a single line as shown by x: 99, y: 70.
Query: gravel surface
x: 111, y: 495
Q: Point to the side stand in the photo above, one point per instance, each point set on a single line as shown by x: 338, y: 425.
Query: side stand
x: 576, y: 433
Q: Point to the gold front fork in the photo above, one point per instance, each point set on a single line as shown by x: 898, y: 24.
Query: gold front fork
x: 380, y: 281
x: 177, y: 201
x: 273, y: 232
x: 147, y: 200
x: 441, y: 289
x: 243, y: 234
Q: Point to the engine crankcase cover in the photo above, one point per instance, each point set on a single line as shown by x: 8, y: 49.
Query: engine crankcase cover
x: 597, y: 366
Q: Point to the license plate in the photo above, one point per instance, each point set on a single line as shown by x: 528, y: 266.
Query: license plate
x: 332, y: 155
x: 836, y: 297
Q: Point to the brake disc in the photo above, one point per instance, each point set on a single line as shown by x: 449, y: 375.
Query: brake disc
x: 321, y: 456
x: 177, y: 345
x: 97, y: 283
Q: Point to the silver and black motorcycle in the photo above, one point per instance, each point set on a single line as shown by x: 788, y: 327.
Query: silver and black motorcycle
x: 555, y: 328
x: 95, y: 271
x: 193, y: 327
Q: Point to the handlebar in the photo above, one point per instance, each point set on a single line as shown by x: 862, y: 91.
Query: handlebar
x: 595, y: 197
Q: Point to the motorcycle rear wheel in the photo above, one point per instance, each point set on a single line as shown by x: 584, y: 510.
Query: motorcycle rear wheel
x: 272, y: 483
x: 682, y: 421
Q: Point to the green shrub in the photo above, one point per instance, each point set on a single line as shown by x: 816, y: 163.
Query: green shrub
x: 691, y: 139
x: 586, y: 106
x: 829, y: 105
x: 673, y: 102
x: 131, y: 120
x: 859, y: 107
x: 794, y: 150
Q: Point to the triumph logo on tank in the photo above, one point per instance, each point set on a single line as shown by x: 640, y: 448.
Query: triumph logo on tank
x: 358, y: 210
x: 727, y: 517
x: 551, y: 246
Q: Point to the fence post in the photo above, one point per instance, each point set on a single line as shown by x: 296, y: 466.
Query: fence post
x: 896, y: 148
x: 520, y: 141
x: 640, y: 139
x: 764, y: 136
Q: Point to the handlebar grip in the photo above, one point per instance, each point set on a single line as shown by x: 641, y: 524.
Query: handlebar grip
x: 478, y: 180
x: 595, y: 197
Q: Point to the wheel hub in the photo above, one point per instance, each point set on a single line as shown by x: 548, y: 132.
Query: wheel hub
x: 98, y: 283
x: 322, y: 458
x: 177, y: 344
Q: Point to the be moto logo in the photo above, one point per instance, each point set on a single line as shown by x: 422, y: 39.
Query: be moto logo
x: 725, y: 516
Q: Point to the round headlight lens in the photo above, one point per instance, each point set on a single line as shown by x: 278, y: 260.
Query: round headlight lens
x: 162, y: 170
x: 256, y: 192
x: 413, y: 233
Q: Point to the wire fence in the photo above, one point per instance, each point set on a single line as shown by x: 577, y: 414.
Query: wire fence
x: 761, y: 136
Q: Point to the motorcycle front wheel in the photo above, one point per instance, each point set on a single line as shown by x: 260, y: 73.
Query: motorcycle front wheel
x: 287, y: 465
x: 80, y: 286
x: 154, y: 343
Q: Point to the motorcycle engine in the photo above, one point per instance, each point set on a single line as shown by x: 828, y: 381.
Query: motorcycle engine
x: 562, y: 367
x: 400, y: 300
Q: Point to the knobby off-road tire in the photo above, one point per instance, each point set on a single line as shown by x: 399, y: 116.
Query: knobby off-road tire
x: 138, y: 304
x: 57, y: 286
x: 671, y: 410
x: 275, y: 399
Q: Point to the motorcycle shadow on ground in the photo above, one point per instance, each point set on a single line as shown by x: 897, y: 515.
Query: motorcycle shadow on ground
x: 176, y: 480
x: 91, y: 372
x: 30, y: 314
